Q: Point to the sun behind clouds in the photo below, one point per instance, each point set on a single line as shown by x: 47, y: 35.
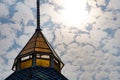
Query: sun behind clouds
x: 74, y: 12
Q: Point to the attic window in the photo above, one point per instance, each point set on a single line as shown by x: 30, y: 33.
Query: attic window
x: 26, y: 57
x: 45, y: 56
x: 38, y: 55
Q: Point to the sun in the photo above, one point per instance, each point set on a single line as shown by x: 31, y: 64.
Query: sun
x: 74, y: 12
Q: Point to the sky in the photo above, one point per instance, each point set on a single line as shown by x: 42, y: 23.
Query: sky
x: 84, y: 33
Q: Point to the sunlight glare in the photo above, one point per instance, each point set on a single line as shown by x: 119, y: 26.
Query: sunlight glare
x: 74, y: 12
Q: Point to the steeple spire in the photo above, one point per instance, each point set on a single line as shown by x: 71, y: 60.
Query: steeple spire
x: 38, y: 15
x: 37, y: 60
x: 38, y: 52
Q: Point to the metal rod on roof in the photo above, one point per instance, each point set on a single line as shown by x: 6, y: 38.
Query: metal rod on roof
x: 38, y: 15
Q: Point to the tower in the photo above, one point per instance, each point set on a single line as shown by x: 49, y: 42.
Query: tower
x: 37, y: 60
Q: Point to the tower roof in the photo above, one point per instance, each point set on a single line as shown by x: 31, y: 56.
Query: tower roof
x: 37, y: 60
x: 38, y: 51
x: 38, y: 43
x: 37, y: 48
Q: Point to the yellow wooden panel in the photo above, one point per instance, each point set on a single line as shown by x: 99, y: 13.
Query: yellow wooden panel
x: 43, y: 63
x: 43, y: 50
x: 26, y: 64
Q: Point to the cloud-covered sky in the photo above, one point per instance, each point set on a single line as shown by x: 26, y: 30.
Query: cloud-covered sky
x: 84, y: 33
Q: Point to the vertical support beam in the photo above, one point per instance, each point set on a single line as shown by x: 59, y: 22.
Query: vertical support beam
x: 18, y: 64
x: 33, y: 59
x: 51, y: 61
x: 59, y: 66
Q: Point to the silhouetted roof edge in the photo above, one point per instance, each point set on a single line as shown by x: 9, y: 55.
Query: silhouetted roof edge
x: 37, y: 73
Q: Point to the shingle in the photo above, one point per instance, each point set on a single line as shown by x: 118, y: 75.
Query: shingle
x: 37, y: 73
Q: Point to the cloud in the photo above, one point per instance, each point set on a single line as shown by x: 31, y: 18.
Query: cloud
x: 83, y: 76
x: 90, y: 49
x: 3, y: 10
x: 114, y: 4
x: 9, y: 2
x: 100, y: 2
x: 49, y: 10
x: 114, y: 76
x: 22, y: 14
x: 7, y: 37
x: 30, y: 3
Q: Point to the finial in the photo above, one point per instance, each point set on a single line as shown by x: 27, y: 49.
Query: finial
x: 38, y: 15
